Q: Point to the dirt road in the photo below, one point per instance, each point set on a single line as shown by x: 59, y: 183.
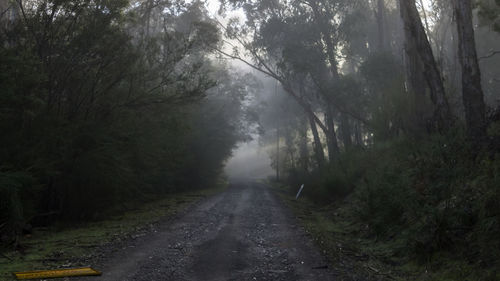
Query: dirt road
x: 243, y: 233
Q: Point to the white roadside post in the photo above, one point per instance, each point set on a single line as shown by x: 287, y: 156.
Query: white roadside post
x: 300, y: 190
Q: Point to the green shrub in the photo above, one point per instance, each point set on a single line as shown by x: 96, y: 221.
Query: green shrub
x: 386, y: 196
x: 11, y: 207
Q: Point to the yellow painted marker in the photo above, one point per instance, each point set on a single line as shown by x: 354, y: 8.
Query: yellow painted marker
x: 56, y: 273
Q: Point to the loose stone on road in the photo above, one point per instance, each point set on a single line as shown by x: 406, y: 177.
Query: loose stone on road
x: 243, y: 233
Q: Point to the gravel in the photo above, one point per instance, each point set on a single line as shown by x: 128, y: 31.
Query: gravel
x: 243, y: 233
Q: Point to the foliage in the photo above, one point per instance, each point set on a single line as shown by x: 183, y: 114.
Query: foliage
x: 432, y: 194
x: 489, y: 13
x: 79, y: 242
x: 373, y: 78
x: 11, y: 205
x: 101, y: 104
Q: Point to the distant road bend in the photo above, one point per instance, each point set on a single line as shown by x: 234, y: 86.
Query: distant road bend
x: 243, y: 233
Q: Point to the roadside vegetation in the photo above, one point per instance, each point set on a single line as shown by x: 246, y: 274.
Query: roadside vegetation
x: 388, y: 112
x: 104, y: 104
x: 79, y: 244
x: 411, y: 218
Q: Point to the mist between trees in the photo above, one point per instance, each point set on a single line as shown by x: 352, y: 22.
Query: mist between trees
x: 387, y: 108
x: 388, y: 104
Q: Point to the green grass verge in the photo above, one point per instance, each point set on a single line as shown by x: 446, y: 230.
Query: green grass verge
x: 61, y: 245
x: 356, y: 254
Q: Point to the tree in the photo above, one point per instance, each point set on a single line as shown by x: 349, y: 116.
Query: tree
x: 97, y: 104
x: 380, y: 16
x: 414, y: 30
x: 472, y: 93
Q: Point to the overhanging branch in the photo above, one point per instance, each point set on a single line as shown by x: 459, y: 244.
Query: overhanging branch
x: 493, y: 53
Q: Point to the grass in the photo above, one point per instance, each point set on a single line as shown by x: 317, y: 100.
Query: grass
x: 66, y: 245
x: 356, y: 254
x: 341, y: 240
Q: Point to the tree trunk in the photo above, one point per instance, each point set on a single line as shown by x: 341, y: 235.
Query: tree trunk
x: 331, y: 136
x: 346, y: 131
x: 278, y: 152
x: 149, y: 7
x: 472, y: 93
x: 380, y: 16
x: 318, y: 148
x: 303, y: 146
x: 415, y: 84
x: 357, y: 134
x: 413, y: 26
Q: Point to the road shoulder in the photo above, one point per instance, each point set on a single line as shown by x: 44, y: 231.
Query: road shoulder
x: 85, y: 244
x: 351, y: 256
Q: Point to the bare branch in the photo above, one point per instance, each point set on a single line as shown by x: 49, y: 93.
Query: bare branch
x: 285, y: 85
x: 273, y: 75
x: 493, y: 53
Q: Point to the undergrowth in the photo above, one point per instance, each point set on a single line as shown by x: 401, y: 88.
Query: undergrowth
x: 431, y: 204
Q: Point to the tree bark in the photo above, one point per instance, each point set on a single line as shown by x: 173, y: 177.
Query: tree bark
x: 414, y: 28
x: 472, y: 93
x: 380, y: 16
x: 357, y: 134
x: 278, y: 152
x: 331, y: 138
x: 318, y: 148
x: 303, y: 146
x: 345, y: 128
x: 415, y: 84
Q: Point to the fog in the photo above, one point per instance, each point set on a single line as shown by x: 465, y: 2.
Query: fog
x: 249, y: 161
x: 386, y: 110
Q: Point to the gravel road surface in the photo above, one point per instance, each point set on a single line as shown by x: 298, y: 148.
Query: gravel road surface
x: 243, y: 233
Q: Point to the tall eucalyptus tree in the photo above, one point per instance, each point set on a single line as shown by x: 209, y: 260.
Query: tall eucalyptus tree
x: 472, y: 92
x: 419, y: 50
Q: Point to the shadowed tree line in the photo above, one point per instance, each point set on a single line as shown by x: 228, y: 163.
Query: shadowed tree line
x: 105, y: 102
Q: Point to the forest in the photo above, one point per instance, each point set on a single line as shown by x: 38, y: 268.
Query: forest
x: 389, y: 112
x: 389, y: 109
x: 108, y: 101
